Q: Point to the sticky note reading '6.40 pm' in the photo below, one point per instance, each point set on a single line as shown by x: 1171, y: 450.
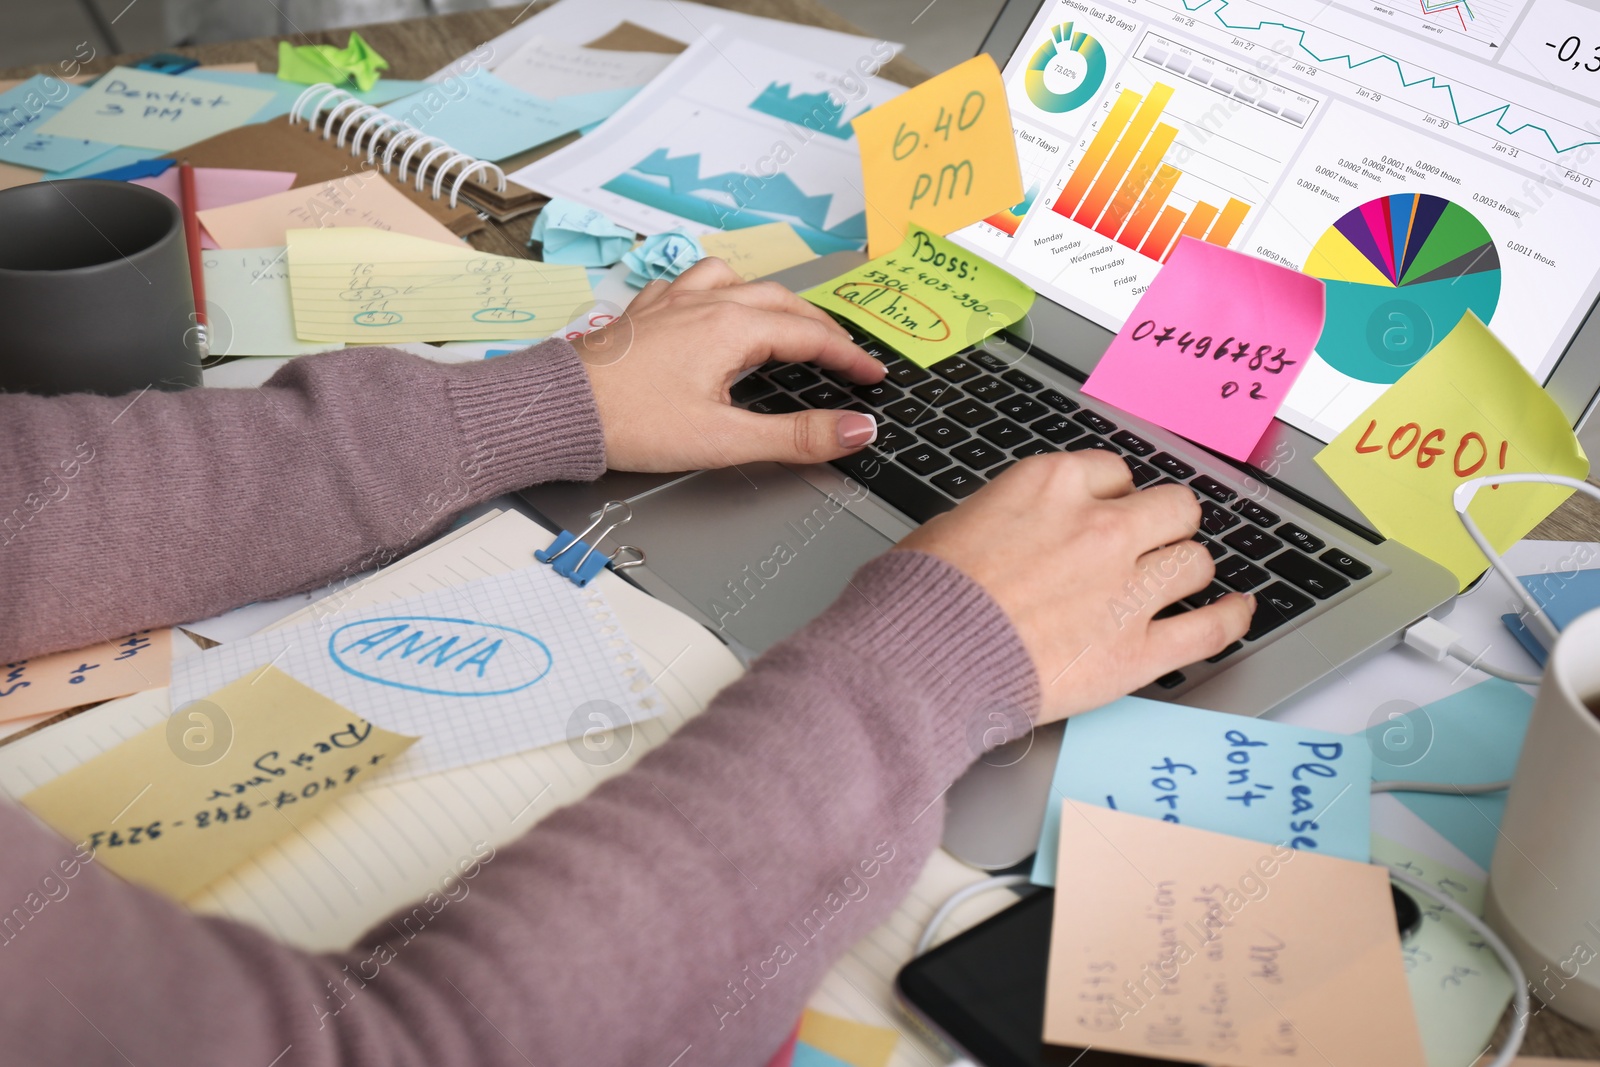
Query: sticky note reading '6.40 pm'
x: 927, y: 299
x: 1467, y: 409
x: 1213, y: 346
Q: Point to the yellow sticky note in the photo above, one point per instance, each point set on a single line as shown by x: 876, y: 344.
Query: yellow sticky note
x: 1466, y: 410
x: 371, y: 287
x: 857, y: 1044
x: 757, y: 251
x: 941, y: 153
x: 43, y: 684
x: 176, y: 807
x: 927, y: 299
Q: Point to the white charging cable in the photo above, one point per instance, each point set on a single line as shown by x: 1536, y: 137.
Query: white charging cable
x: 960, y: 897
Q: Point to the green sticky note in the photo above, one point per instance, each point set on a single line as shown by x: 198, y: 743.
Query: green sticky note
x: 357, y: 63
x: 927, y: 299
x: 1458, y: 985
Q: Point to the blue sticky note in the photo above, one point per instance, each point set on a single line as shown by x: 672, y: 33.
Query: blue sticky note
x: 1266, y: 781
x: 1563, y: 596
x: 116, y: 159
x: 574, y: 233
x: 1468, y: 737
x: 286, y: 93
x: 23, y: 108
x: 488, y: 118
x: 810, y: 1056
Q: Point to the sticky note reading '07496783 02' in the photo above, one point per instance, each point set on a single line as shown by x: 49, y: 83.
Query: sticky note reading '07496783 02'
x: 1213, y: 346
x: 1467, y: 409
x: 941, y: 154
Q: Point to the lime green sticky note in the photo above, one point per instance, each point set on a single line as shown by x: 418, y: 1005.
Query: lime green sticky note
x: 309, y: 64
x: 927, y: 299
x: 1467, y: 409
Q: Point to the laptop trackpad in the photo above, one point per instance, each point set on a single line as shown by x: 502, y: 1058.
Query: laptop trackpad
x: 757, y: 548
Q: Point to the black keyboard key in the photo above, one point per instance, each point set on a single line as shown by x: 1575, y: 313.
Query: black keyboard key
x: 1137, y: 445
x: 969, y: 412
x: 936, y: 392
x: 826, y: 395
x: 897, y: 486
x: 1143, y: 473
x: 997, y: 471
x: 1170, y: 680
x: 989, y: 361
x: 1214, y: 519
x: 1252, y: 543
x: 776, y: 404
x: 885, y: 392
x: 1026, y: 382
x: 958, y: 482
x: 1057, y: 429
x: 1256, y: 513
x: 1309, y: 575
x: 1240, y: 574
x: 1212, y: 488
x: 1208, y: 595
x: 1021, y: 408
x: 1005, y: 433
x: 1276, y: 605
x: 989, y: 389
x: 750, y: 387
x: 924, y: 459
x: 909, y: 412
x: 1305, y: 542
x: 955, y: 369
x: 1173, y: 466
x: 905, y: 373
x: 1212, y: 548
x: 1058, y: 400
x: 1033, y: 448
x: 943, y: 432
x: 1348, y: 566
x: 794, y: 376
x: 892, y: 438
x: 979, y: 455
x: 1096, y: 421
x: 1088, y: 441
x: 1225, y: 653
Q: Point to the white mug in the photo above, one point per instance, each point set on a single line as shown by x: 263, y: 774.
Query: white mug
x: 1544, y: 881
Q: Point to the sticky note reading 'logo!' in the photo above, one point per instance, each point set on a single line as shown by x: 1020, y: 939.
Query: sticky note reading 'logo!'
x: 446, y: 657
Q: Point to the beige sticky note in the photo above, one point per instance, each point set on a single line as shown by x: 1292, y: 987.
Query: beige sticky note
x: 63, y: 680
x: 757, y: 251
x: 856, y: 1044
x: 1183, y: 944
x: 181, y: 804
x: 361, y: 199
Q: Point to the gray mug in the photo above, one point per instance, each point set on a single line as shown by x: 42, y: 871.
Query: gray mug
x: 95, y: 295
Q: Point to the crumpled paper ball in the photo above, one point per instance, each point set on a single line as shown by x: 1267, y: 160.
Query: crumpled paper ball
x: 662, y: 255
x: 580, y: 235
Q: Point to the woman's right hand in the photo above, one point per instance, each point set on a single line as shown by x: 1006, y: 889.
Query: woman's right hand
x: 1080, y: 561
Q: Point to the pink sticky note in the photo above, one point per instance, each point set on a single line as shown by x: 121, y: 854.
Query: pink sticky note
x: 220, y: 187
x: 1213, y: 346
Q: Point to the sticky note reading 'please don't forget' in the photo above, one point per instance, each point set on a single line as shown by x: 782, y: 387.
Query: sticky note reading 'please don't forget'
x: 1213, y: 346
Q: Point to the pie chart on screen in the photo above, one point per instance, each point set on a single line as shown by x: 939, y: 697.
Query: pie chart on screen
x: 1065, y: 71
x: 1400, y: 272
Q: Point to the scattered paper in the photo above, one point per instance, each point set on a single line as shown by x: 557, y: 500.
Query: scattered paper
x: 29, y: 105
x: 853, y: 1043
x: 941, y: 154
x: 1563, y: 597
x: 1467, y: 409
x: 115, y: 160
x: 1184, y: 944
x: 553, y: 69
x: 182, y: 803
x: 661, y: 257
x: 367, y: 286
x: 219, y: 187
x: 364, y: 199
x: 142, y: 109
x: 284, y: 94
x: 573, y: 233
x: 63, y: 680
x: 1213, y: 346
x: 1468, y: 737
x: 810, y: 1056
x: 1251, y: 778
x: 248, y: 306
x: 758, y: 251
x: 927, y: 299
x: 357, y: 63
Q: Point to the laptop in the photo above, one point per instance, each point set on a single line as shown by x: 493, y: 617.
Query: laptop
x: 1138, y: 122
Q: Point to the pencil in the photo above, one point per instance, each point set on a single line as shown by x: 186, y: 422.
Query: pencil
x: 191, y: 234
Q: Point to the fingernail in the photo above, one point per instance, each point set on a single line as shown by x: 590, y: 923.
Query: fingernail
x: 1251, y: 597
x: 857, y: 429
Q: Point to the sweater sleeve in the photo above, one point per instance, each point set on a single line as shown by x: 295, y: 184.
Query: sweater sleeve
x: 682, y: 914
x: 123, y: 513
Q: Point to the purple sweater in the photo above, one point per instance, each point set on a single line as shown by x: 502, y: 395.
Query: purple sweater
x: 682, y: 914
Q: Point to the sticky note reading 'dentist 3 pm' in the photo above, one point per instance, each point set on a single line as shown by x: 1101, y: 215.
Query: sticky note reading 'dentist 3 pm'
x: 1213, y: 346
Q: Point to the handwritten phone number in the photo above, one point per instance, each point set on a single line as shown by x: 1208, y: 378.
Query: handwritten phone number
x: 1268, y: 359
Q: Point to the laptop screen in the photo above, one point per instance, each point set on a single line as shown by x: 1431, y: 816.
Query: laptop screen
x: 1424, y: 159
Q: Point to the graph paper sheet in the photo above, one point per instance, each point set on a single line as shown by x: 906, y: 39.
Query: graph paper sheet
x: 479, y: 670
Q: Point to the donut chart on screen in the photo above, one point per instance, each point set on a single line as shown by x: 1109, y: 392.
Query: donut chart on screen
x: 1400, y: 272
x: 1052, y: 54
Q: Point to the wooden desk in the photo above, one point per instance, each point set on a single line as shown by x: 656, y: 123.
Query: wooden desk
x: 416, y: 48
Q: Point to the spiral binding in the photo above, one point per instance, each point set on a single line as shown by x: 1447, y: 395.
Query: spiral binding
x: 375, y: 128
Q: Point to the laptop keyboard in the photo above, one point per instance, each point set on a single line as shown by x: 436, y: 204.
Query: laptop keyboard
x: 945, y: 431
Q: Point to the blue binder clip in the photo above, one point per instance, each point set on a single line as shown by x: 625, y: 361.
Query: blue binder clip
x: 575, y: 558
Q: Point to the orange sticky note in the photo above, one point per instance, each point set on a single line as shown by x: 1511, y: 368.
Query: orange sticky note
x: 63, y: 680
x: 364, y: 199
x: 1187, y: 945
x: 942, y: 152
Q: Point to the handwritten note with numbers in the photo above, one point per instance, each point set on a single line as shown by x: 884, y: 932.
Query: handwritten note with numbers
x: 757, y: 251
x: 927, y: 299
x: 1213, y: 346
x: 63, y: 680
x: 368, y: 287
x: 1184, y: 944
x: 143, y: 109
x: 1266, y: 781
x: 941, y: 154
